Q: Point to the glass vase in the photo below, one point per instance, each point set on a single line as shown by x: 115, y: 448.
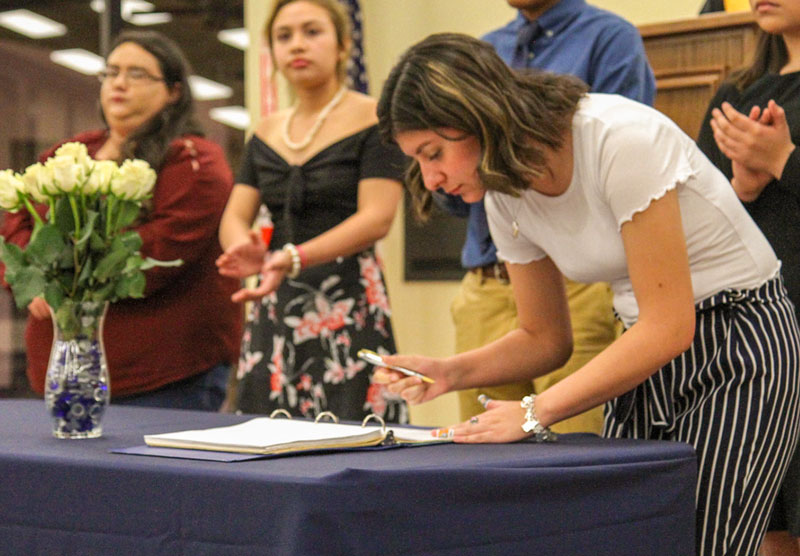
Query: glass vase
x: 77, y: 389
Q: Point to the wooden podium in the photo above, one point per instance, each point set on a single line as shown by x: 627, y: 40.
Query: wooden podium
x: 691, y: 57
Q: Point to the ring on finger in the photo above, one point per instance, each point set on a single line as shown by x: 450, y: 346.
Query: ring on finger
x: 473, y: 420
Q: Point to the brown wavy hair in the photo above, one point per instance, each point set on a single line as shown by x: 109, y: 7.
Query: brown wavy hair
x: 450, y: 80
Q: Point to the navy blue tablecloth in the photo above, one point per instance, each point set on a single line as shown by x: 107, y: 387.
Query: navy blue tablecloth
x: 582, y: 495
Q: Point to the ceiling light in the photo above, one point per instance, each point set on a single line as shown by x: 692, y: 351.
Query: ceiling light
x: 129, y: 8
x: 205, y: 89
x: 153, y: 18
x: 237, y: 38
x: 78, y: 59
x: 31, y: 24
x: 234, y: 116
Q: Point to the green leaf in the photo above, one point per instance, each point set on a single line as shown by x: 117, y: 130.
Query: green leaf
x: 67, y: 319
x: 131, y: 285
x: 133, y: 263
x: 110, y: 265
x: 128, y: 211
x: 152, y: 263
x: 85, y: 276
x: 13, y: 257
x: 65, y: 279
x: 66, y: 259
x: 54, y: 295
x: 88, y: 227
x: 131, y: 240
x: 28, y: 283
x: 64, y: 219
x: 96, y: 242
x: 45, y: 246
x: 105, y: 292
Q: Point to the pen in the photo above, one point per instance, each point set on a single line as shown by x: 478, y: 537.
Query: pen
x: 371, y: 357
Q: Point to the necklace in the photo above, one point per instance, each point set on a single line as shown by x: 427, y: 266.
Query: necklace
x: 317, y: 124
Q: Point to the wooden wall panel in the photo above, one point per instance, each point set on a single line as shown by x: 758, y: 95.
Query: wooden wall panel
x: 691, y: 57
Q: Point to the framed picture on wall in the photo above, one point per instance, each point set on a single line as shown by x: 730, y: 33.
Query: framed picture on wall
x: 433, y: 248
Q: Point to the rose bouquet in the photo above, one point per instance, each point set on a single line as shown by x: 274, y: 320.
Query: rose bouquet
x: 82, y: 255
x: 83, y: 250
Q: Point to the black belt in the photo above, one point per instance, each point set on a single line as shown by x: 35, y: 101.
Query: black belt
x: 492, y: 270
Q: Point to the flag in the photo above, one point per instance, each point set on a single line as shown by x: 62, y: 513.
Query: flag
x: 356, y: 69
x: 269, y: 89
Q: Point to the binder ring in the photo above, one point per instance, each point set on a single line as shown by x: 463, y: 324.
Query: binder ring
x: 327, y: 414
x: 279, y: 412
x: 378, y: 418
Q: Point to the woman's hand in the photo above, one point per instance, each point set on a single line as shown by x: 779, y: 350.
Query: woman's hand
x: 411, y: 388
x: 39, y: 309
x: 760, y: 141
x: 243, y: 259
x: 501, y: 422
x: 273, y: 270
x: 748, y: 184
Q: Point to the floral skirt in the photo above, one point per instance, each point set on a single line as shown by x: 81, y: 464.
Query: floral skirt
x: 300, y: 344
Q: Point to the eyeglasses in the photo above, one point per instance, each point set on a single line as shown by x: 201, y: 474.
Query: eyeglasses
x: 132, y: 75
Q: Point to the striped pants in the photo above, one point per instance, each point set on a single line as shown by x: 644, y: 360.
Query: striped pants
x: 734, y: 396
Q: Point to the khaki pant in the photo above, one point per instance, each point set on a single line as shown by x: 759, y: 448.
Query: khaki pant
x: 484, y: 310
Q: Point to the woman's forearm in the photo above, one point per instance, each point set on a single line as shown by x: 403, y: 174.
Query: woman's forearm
x: 232, y: 230
x: 238, y: 216
x: 519, y: 355
x: 623, y: 365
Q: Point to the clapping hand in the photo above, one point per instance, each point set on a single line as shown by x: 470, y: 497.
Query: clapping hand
x: 758, y: 145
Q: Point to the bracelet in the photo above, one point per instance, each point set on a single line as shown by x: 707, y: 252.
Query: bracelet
x: 532, y: 424
x: 303, y: 258
x: 297, y: 264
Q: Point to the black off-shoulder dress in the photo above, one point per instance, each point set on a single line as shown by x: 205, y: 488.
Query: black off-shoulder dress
x: 299, y: 346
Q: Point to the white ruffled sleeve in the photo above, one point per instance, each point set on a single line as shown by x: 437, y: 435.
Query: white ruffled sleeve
x: 640, y: 162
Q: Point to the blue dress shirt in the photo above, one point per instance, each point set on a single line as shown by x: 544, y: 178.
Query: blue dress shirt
x: 574, y: 38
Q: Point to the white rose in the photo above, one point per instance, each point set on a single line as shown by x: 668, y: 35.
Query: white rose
x: 66, y: 173
x: 101, y: 176
x: 78, y: 153
x: 38, y: 181
x: 10, y: 188
x: 134, y: 181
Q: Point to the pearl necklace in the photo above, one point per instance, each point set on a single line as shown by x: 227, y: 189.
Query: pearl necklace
x: 317, y: 124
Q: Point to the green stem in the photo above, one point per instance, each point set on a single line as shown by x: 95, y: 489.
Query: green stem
x: 76, y: 215
x: 77, y: 266
x: 109, y: 215
x: 32, y: 210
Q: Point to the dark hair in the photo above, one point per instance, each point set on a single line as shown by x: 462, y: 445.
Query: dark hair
x: 151, y: 140
x: 455, y: 81
x: 769, y: 56
x: 339, y: 18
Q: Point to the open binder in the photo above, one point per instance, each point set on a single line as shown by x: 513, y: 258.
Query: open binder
x: 270, y: 435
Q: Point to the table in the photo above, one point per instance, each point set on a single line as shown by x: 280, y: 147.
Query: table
x: 582, y: 495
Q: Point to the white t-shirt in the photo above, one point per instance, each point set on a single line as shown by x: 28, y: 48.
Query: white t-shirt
x: 626, y: 155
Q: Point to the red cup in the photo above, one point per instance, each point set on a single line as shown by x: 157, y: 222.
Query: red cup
x: 266, y: 234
